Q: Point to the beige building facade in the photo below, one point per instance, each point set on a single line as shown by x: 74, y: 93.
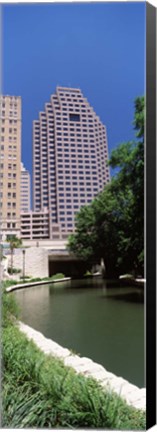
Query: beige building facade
x: 35, y: 225
x: 10, y: 160
x: 70, y: 153
x: 25, y: 190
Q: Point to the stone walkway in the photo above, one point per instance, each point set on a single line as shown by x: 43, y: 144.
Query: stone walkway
x: 133, y: 395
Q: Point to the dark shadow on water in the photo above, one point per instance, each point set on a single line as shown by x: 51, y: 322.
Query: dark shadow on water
x: 134, y: 297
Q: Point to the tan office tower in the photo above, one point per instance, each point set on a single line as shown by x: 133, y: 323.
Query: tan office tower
x: 10, y: 159
x: 69, y: 158
x: 25, y: 189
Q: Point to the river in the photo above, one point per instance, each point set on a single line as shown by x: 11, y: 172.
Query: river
x: 104, y: 324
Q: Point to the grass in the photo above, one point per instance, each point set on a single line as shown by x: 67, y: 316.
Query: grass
x: 8, y: 283
x: 40, y: 392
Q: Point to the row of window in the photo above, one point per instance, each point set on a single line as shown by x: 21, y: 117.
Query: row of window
x: 12, y: 100
x: 10, y: 139
x: 12, y: 175
x: 10, y: 147
x: 76, y: 129
x: 64, y: 126
x: 11, y: 113
x: 69, y: 97
x: 82, y: 190
x: 11, y: 225
x: 10, y: 185
x: 10, y: 156
x: 11, y: 130
x: 73, y: 144
x: 9, y: 204
x: 11, y: 195
x: 61, y: 206
x: 71, y: 115
x: 72, y: 134
x: 69, y: 93
x: 11, y: 121
x: 75, y: 199
x: 11, y: 215
x: 9, y: 167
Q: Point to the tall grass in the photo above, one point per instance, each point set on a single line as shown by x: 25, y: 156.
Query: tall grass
x: 40, y: 392
x: 10, y: 309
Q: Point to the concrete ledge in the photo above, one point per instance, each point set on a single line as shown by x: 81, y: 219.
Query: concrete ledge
x: 130, y: 393
x: 30, y: 284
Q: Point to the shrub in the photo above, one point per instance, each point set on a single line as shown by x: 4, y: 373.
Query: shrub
x: 13, y: 270
x: 26, y: 277
x: 58, y: 276
x: 88, y: 273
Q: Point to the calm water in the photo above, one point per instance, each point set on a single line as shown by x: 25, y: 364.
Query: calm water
x: 105, y: 324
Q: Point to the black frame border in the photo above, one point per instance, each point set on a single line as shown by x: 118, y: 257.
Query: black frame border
x: 151, y: 44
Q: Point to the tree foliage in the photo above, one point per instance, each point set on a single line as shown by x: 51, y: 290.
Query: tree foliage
x: 112, y: 226
x: 15, y: 242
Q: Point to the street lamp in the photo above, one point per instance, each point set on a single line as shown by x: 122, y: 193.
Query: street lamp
x: 23, y: 273
x: 1, y: 252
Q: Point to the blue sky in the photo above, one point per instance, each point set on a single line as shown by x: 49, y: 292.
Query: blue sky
x: 97, y: 47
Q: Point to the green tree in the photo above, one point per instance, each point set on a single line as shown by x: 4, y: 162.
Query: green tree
x: 112, y: 226
x: 15, y: 243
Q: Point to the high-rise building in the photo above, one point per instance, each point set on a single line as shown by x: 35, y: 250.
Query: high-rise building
x: 25, y: 189
x: 70, y: 152
x: 10, y: 159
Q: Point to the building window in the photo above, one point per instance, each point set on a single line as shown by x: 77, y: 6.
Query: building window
x: 74, y: 117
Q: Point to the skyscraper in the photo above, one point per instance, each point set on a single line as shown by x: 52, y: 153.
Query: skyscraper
x: 69, y: 158
x: 10, y: 159
x: 25, y: 189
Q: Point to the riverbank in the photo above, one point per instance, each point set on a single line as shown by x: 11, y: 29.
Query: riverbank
x: 40, y: 391
x: 15, y: 285
x: 38, y: 282
x: 133, y: 395
x: 131, y: 281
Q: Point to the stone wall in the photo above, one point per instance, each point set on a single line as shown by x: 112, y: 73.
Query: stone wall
x: 36, y: 261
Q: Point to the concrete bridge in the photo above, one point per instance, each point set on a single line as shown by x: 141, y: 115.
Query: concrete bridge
x: 61, y: 261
